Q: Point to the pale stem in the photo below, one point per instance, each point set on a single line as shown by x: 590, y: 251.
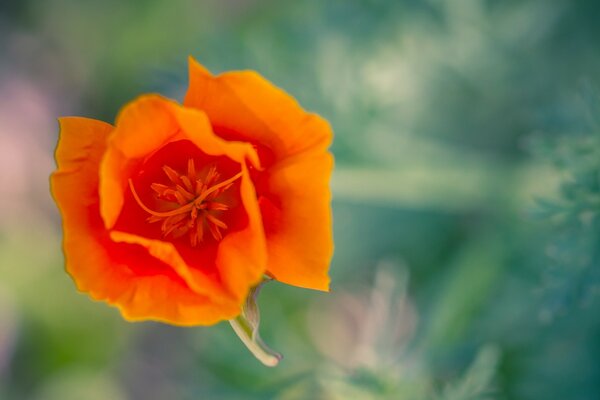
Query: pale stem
x: 254, y: 343
x: 246, y: 327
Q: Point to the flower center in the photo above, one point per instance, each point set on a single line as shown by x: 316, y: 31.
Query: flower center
x: 194, y: 203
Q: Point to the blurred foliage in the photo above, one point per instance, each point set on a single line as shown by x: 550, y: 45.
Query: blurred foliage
x: 466, y: 198
x: 475, y: 384
x: 573, y: 276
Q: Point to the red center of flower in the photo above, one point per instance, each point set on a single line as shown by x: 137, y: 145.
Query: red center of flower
x: 192, y: 203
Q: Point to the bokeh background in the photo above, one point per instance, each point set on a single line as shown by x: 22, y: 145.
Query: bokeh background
x: 466, y: 198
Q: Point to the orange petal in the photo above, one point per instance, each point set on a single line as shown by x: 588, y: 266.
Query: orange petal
x: 244, y: 106
x: 144, y: 126
x: 101, y: 267
x: 241, y: 255
x: 166, y: 252
x: 299, y: 235
x: 196, y: 127
x: 247, y: 107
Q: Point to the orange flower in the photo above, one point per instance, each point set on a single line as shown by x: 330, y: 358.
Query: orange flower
x: 177, y: 211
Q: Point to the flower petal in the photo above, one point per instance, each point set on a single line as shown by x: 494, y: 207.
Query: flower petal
x: 296, y: 208
x: 144, y: 126
x: 299, y: 234
x: 101, y: 267
x: 244, y: 106
x: 167, y: 253
x: 241, y: 256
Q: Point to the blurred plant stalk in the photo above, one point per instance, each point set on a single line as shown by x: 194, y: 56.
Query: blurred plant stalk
x: 457, y: 186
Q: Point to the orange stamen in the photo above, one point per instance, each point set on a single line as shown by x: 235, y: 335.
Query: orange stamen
x: 167, y: 214
x: 214, y: 188
x: 195, y: 203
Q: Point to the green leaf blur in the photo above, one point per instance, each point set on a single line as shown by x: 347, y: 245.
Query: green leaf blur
x: 466, y: 198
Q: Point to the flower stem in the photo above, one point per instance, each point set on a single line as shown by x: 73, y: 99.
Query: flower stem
x: 246, y: 326
x: 256, y: 346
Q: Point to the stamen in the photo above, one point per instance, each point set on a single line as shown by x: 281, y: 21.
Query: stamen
x: 211, y: 177
x: 191, y: 169
x: 195, y: 203
x: 200, y: 230
x: 216, y: 221
x: 199, y: 186
x: 167, y: 214
x: 172, y: 174
x: 159, y: 189
x: 185, y: 193
x: 215, y: 232
x: 188, y: 184
x: 216, y: 187
x: 214, y: 206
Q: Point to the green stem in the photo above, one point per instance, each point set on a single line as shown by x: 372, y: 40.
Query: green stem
x: 254, y: 343
x: 246, y: 326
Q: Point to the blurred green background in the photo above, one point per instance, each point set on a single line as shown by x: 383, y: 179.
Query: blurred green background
x: 466, y: 198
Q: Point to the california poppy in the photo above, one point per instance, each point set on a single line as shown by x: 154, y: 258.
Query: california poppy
x: 177, y: 211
